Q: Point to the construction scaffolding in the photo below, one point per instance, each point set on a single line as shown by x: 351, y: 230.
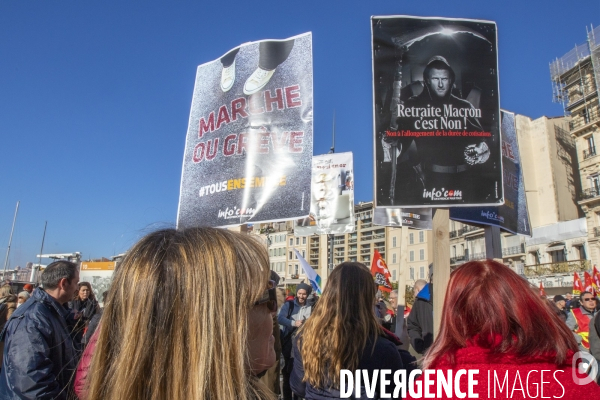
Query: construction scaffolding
x: 573, y: 74
x: 594, y: 44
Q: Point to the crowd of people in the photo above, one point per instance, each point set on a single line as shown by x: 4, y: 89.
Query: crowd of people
x: 197, y: 313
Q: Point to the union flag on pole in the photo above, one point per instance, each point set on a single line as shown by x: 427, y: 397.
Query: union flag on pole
x: 596, y: 280
x: 587, y: 281
x: 380, y: 272
x: 577, y: 285
x: 542, y: 291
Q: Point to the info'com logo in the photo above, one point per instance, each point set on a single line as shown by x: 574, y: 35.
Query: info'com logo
x: 587, y: 370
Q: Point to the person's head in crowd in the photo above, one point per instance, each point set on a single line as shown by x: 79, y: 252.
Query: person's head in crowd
x: 587, y: 301
x: 394, y: 300
x: 560, y: 302
x: 104, y: 296
x: 471, y: 316
x: 85, y: 292
x: 569, y: 296
x: 28, y: 287
x: 22, y: 298
x: 5, y: 291
x: 155, y: 343
x: 302, y: 292
x: 60, y: 280
x: 345, y: 311
x: 419, y: 285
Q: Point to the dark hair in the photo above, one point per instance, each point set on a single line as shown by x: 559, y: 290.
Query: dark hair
x: 56, y: 271
x: 438, y: 64
x: 584, y: 293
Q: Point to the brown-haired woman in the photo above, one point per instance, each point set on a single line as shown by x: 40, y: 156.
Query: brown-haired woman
x: 342, y: 333
x: 84, y: 306
x: 189, y: 316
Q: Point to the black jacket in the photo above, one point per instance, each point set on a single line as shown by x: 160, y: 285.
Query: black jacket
x: 385, y: 356
x: 39, y: 360
x: 420, y: 321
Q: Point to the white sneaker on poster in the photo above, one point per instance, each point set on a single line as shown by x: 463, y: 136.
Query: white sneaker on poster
x: 257, y: 80
x: 228, y: 77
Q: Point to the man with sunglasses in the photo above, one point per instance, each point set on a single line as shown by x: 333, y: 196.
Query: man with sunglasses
x: 579, y: 320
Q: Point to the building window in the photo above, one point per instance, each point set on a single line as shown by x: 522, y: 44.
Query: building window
x: 290, y: 269
x: 411, y: 238
x: 303, y: 239
x: 394, y: 274
x: 297, y: 241
x: 412, y: 273
x: 291, y: 256
x: 411, y: 256
x: 453, y: 255
x: 296, y: 268
x: 595, y: 183
x: 421, y: 272
x: 291, y: 241
x: 393, y: 242
x: 421, y: 237
x: 421, y: 254
x: 303, y: 254
x: 393, y: 258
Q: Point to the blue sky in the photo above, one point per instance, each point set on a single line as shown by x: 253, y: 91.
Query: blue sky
x: 95, y: 98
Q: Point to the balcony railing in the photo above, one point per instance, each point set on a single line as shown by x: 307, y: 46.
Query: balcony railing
x: 596, y: 231
x: 475, y: 256
x: 556, y: 268
x: 590, y: 193
x: 454, y: 260
x: 453, y: 234
x: 366, y: 225
x: 508, y: 251
x: 379, y: 236
x: 589, y: 152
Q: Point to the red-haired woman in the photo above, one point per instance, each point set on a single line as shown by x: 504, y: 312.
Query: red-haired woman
x: 493, y: 321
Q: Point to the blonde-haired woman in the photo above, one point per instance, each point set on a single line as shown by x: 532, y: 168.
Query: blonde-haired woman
x: 342, y: 333
x: 188, y: 316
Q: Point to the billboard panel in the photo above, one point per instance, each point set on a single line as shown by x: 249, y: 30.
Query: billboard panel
x: 98, y: 274
x: 418, y: 218
x: 249, y: 143
x: 332, y: 200
x: 436, y: 112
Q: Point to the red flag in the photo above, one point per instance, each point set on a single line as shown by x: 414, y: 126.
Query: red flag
x: 577, y: 285
x: 596, y: 280
x: 380, y: 272
x: 542, y: 291
x: 588, y: 282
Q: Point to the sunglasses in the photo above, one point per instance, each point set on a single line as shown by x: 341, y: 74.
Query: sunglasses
x: 269, y: 296
x: 590, y: 299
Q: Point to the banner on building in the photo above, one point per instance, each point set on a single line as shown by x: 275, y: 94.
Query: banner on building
x: 513, y: 215
x: 249, y: 142
x: 436, y: 112
x: 380, y: 273
x: 98, y: 274
x: 418, y: 218
x: 332, y: 200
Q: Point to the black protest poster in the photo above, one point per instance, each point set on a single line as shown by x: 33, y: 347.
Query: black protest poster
x: 513, y: 216
x: 436, y: 112
x: 249, y: 144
